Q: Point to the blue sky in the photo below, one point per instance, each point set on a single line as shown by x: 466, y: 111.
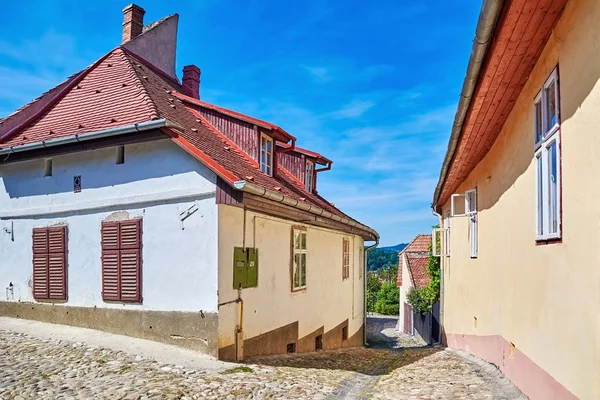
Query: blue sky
x: 374, y: 88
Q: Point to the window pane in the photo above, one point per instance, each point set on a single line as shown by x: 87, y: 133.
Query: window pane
x: 553, y: 187
x: 538, y: 121
x: 296, y: 239
x: 551, y: 111
x: 268, y: 145
x: 303, y: 240
x: 303, y: 269
x: 296, y: 270
x: 540, y: 197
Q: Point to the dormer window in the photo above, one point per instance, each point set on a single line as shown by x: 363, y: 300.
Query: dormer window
x: 266, y: 154
x: 309, y: 176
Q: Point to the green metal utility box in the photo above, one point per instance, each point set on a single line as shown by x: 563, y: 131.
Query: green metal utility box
x: 245, y: 267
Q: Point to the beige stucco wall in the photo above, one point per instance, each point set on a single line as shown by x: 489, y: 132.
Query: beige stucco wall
x: 327, y: 301
x: 543, y: 298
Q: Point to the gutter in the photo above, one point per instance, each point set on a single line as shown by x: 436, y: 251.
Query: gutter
x: 488, y: 19
x: 82, y: 137
x: 366, y: 257
x: 248, y: 187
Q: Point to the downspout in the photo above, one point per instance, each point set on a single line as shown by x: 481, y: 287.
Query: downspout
x: 441, y: 327
x: 488, y: 18
x: 327, y: 168
x: 365, y: 289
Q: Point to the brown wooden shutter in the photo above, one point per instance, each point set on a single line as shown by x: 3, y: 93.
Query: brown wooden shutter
x: 130, y: 274
x: 110, y: 261
x: 50, y: 263
x: 40, y: 263
x: 122, y: 260
x: 57, y: 263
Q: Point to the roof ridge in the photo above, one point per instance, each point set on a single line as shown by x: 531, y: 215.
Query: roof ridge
x: 57, y: 97
x: 154, y: 112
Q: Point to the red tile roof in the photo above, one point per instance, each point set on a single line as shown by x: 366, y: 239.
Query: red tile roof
x: 420, y: 244
x: 120, y: 89
x: 417, y: 265
x: 418, y: 247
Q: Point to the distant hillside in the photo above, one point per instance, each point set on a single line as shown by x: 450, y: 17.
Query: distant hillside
x: 397, y: 248
x: 384, y: 257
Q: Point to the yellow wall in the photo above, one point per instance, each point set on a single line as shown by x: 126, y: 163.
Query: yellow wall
x: 327, y: 301
x: 544, y: 299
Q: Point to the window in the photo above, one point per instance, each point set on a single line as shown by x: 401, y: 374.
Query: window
x: 309, y: 176
x: 122, y: 260
x: 345, y: 258
x: 547, y: 160
x: 48, y: 167
x: 299, y: 259
x: 50, y: 263
x: 266, y: 154
x: 446, y: 243
x: 120, y: 155
x: 471, y: 211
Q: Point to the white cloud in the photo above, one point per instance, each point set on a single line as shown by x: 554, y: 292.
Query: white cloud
x: 354, y: 109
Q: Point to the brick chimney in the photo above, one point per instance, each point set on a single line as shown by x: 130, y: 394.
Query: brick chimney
x: 133, y: 22
x: 191, y: 81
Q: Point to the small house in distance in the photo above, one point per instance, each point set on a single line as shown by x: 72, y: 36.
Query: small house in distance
x: 412, y: 263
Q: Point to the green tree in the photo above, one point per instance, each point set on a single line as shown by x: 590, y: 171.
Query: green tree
x: 421, y: 300
x: 388, y: 299
x: 378, y: 259
x: 373, y: 287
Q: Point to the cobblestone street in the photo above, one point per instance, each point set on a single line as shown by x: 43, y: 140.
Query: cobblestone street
x: 37, y: 367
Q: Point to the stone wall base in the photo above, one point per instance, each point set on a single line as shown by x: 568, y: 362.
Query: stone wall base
x: 196, y: 331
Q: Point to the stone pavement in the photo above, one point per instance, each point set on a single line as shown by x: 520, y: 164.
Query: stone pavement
x: 37, y: 367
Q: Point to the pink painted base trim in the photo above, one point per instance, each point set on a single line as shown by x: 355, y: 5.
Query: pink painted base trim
x: 529, y: 377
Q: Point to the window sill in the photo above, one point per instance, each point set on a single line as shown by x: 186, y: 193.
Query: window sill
x: 299, y: 290
x: 545, y: 242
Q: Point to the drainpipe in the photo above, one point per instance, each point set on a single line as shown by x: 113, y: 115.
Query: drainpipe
x: 365, y: 289
x: 439, y: 216
x: 327, y: 168
x: 239, y: 330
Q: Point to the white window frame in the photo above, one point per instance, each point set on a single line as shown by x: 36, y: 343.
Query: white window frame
x: 266, y: 166
x: 435, y: 234
x: 471, y: 208
x: 447, y: 234
x: 309, y: 176
x: 298, y: 250
x: 545, y: 205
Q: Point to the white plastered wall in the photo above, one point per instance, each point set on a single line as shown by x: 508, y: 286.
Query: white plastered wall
x: 157, y: 181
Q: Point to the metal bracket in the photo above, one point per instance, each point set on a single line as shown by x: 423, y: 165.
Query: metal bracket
x: 10, y: 231
x: 185, y: 214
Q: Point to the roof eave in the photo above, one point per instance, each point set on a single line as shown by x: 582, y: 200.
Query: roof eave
x: 486, y: 26
x: 257, y: 190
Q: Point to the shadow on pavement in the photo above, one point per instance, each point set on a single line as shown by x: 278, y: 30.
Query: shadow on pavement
x: 368, y: 361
